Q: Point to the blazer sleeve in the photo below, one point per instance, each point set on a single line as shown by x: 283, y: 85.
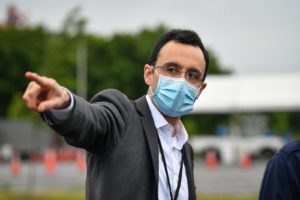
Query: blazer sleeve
x: 96, y: 125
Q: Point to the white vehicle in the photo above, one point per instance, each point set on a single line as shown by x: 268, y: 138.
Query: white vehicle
x: 229, y: 149
x: 6, y: 152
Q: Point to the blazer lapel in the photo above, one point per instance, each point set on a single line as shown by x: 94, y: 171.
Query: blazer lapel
x: 189, y: 172
x: 150, y: 132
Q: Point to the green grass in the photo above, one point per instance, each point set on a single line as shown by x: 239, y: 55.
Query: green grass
x: 8, y: 194
x: 227, y: 197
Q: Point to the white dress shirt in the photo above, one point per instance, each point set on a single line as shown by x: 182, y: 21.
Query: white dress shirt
x: 172, y: 147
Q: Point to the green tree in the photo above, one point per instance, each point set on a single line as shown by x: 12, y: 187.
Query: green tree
x: 54, y: 57
x: 21, y: 50
x: 282, y: 122
x: 119, y: 62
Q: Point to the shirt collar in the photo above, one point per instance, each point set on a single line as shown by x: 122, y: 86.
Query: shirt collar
x: 160, y: 121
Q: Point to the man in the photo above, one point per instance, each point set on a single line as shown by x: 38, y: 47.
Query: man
x: 135, y: 149
x: 282, y: 175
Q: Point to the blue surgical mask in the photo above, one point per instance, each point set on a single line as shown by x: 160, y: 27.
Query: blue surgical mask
x: 174, y: 96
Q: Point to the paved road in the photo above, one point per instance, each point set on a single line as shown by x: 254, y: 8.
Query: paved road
x: 222, y: 180
x: 34, y: 177
x: 229, y: 180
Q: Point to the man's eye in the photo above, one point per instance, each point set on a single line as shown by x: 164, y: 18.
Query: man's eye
x: 171, y: 70
x: 192, y: 76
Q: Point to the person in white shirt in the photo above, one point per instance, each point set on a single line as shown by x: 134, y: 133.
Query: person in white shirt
x: 135, y: 149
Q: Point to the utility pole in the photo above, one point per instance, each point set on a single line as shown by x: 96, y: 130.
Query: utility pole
x: 81, y: 75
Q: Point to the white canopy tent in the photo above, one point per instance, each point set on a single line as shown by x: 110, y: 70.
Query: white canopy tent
x: 250, y: 93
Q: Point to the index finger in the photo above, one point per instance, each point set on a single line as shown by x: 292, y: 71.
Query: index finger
x: 42, y: 81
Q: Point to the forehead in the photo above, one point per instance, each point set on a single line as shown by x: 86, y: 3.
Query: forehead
x: 185, y: 55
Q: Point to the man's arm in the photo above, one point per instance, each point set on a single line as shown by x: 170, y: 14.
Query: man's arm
x: 96, y: 126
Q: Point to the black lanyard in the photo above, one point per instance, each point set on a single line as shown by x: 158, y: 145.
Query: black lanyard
x: 167, y: 174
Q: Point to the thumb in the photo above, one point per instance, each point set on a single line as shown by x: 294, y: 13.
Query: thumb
x: 46, y: 105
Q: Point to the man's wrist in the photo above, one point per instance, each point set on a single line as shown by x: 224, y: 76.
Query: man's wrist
x: 59, y: 115
x: 66, y: 97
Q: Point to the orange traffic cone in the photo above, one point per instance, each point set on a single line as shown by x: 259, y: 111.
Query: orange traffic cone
x: 245, y: 161
x: 15, y: 165
x: 50, y: 161
x: 211, y: 159
x: 80, y: 161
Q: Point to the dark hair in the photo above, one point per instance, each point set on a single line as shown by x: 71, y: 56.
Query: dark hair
x: 181, y: 36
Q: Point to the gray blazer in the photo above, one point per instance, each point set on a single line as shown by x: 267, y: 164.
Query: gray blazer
x: 122, y: 147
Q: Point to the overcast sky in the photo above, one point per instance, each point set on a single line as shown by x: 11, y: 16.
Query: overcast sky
x: 248, y: 36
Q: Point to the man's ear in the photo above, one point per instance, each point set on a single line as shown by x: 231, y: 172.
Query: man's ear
x: 148, y: 74
x: 201, y: 89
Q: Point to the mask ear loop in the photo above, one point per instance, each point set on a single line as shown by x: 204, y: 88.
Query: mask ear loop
x: 151, y: 90
x: 154, y: 71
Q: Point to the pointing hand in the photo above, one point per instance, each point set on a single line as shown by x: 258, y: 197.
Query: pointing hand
x: 44, y: 93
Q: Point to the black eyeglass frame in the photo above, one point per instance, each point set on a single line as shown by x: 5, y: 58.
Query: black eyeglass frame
x: 190, y: 73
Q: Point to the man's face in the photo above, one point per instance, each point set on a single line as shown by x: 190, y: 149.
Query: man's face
x: 186, y: 57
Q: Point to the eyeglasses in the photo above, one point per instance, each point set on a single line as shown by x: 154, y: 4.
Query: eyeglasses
x: 191, y: 76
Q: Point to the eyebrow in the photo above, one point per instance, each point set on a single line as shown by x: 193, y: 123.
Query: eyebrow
x: 172, y: 63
